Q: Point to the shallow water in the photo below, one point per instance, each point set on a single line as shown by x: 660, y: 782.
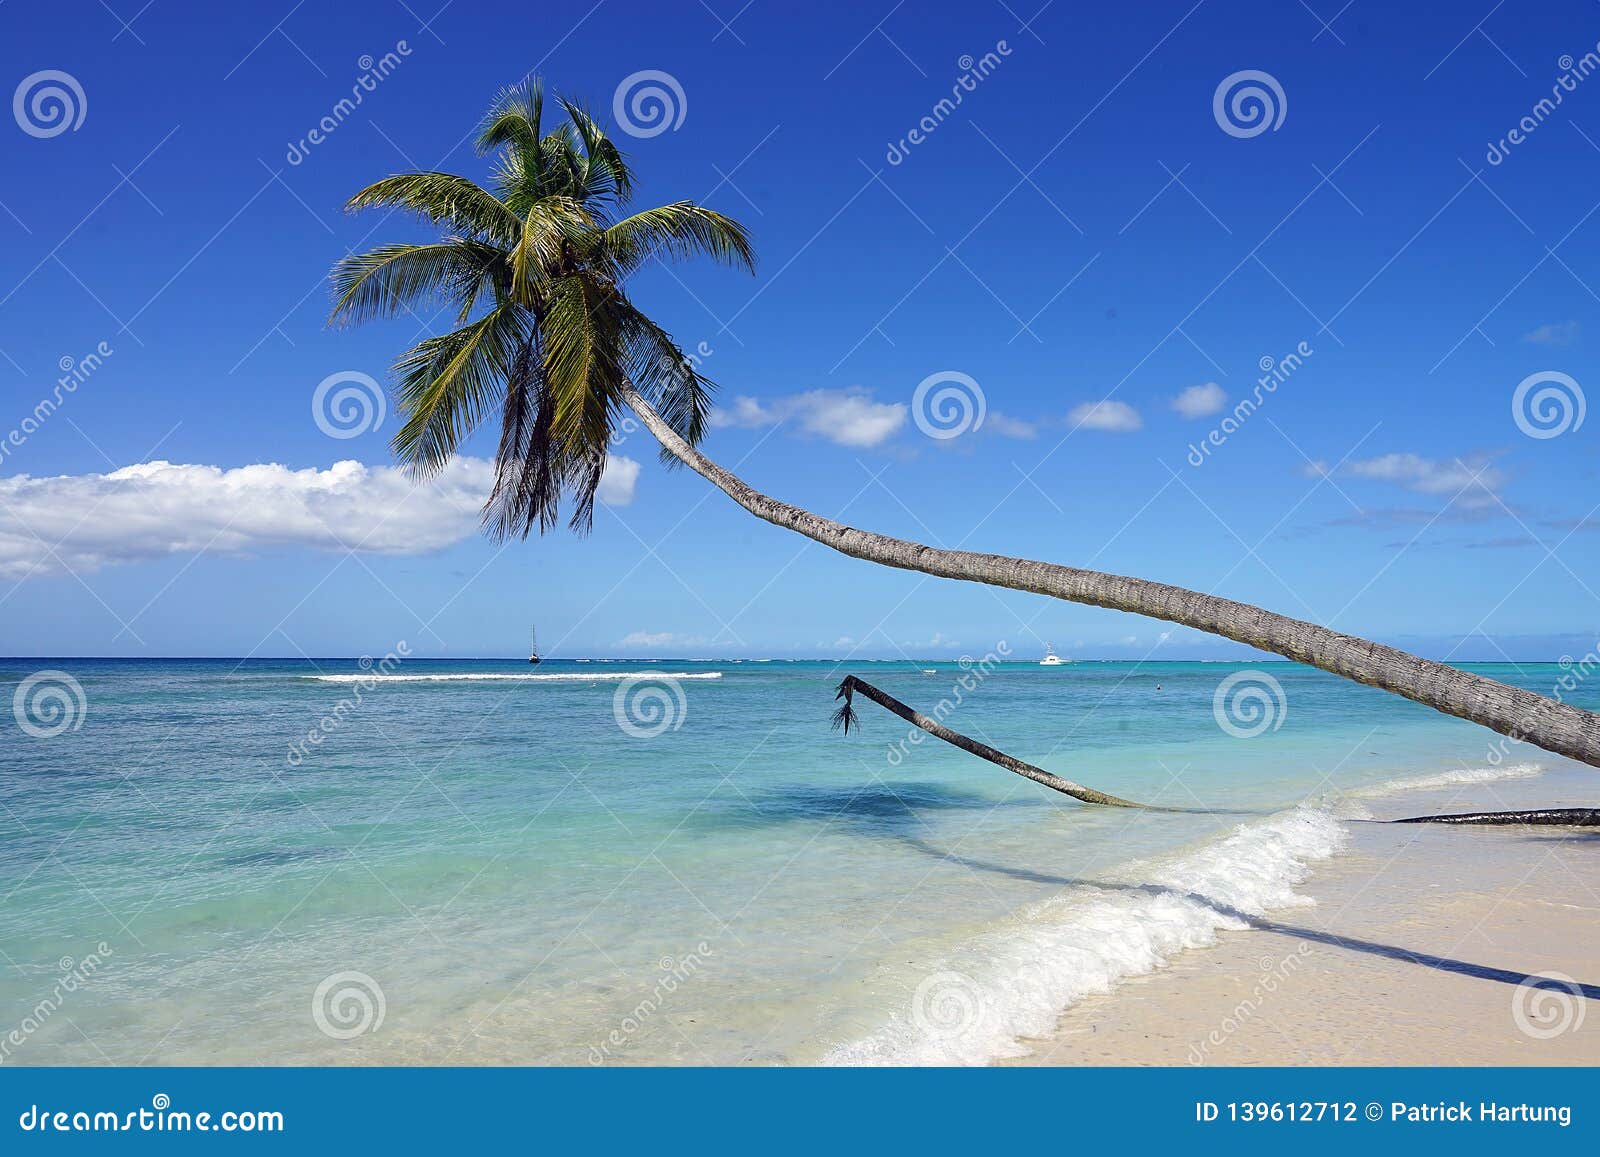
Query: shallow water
x: 585, y: 867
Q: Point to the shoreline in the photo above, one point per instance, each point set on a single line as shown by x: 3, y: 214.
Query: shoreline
x: 1418, y: 944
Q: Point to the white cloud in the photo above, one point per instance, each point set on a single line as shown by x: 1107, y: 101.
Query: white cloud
x: 847, y: 417
x: 648, y: 639
x: 619, y: 480
x: 1008, y: 427
x: 82, y: 522
x: 1200, y: 401
x: 1118, y: 417
x: 1475, y: 478
x: 1555, y: 333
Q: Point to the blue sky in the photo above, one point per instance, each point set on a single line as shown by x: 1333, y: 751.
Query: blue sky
x: 1080, y: 229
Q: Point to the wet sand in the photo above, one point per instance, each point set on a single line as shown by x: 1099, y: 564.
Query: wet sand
x: 1417, y: 951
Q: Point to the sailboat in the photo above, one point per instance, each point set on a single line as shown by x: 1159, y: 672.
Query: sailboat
x: 533, y: 647
x: 1051, y: 659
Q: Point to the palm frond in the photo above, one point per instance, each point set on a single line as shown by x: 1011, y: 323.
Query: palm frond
x: 446, y: 384
x: 681, y: 229
x: 529, y: 473
x: 444, y: 199
x: 555, y: 227
x: 514, y: 118
x: 667, y: 379
x: 846, y: 716
x: 606, y: 174
x: 395, y: 279
x: 540, y: 258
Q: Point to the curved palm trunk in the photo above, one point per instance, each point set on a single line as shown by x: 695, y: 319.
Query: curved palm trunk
x: 1523, y: 715
x: 846, y: 718
x: 1571, y: 817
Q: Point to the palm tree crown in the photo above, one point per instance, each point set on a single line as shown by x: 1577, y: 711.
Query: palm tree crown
x: 534, y: 268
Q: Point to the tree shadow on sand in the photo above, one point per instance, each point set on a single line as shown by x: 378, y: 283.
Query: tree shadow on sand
x: 883, y: 812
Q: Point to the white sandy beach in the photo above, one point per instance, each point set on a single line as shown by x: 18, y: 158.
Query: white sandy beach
x: 1437, y: 925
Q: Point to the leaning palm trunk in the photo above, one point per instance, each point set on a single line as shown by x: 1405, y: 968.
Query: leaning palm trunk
x: 1569, y: 817
x: 1523, y: 715
x: 845, y: 717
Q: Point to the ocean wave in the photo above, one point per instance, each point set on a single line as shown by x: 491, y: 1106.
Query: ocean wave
x: 1460, y: 776
x: 1013, y: 982
x: 492, y: 676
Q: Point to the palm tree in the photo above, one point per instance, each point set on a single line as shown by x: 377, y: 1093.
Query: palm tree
x: 535, y: 269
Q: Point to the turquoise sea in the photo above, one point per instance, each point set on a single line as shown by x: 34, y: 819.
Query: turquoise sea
x: 653, y: 861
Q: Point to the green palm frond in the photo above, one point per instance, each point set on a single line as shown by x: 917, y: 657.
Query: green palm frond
x: 533, y: 267
x: 681, y: 229
x: 556, y: 229
x: 583, y: 366
x: 446, y: 383
x: 606, y: 174
x: 514, y: 119
x: 395, y: 279
x: 667, y: 379
x: 443, y: 199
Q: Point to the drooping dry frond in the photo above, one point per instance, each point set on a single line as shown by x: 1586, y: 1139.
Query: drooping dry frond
x: 845, y: 717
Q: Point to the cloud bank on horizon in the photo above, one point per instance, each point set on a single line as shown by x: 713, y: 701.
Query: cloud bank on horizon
x: 84, y: 522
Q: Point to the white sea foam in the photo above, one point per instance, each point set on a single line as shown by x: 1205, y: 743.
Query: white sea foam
x: 1460, y: 776
x: 497, y: 677
x: 1352, y: 804
x: 1014, y: 981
